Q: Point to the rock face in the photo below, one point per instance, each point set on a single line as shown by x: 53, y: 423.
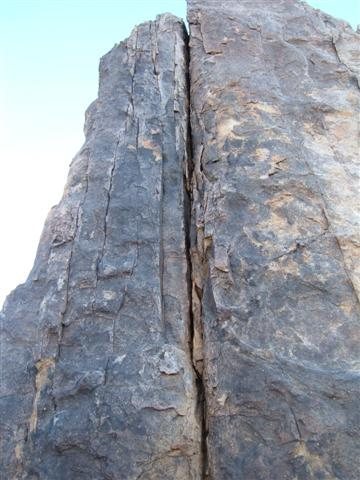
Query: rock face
x: 98, y: 381
x: 193, y: 310
x: 275, y: 105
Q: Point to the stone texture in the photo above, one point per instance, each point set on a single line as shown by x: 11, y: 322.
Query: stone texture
x: 275, y: 247
x: 193, y: 309
x: 97, y: 380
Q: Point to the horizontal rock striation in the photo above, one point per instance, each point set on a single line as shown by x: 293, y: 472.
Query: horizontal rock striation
x: 193, y: 309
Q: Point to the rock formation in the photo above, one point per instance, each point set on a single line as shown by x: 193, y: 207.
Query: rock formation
x: 98, y: 380
x: 193, y: 309
x: 275, y: 104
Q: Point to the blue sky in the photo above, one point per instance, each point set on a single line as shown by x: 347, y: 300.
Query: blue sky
x: 50, y: 51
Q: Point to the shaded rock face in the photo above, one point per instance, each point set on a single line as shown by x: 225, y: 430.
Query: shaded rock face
x: 193, y: 310
x: 98, y: 381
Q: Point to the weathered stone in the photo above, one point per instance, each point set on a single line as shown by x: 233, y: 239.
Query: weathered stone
x: 275, y: 105
x: 193, y: 310
x: 97, y: 380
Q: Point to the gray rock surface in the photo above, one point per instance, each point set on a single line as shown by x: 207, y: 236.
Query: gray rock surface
x: 193, y: 309
x: 97, y: 381
x: 275, y: 129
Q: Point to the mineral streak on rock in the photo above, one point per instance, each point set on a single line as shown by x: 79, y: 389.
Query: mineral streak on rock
x: 97, y: 378
x: 193, y: 309
x: 275, y: 131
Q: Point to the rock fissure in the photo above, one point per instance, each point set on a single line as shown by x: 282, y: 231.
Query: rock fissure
x: 195, y: 327
x: 192, y: 313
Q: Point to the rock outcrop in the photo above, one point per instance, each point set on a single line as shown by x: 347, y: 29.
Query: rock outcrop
x: 193, y: 309
x: 275, y: 125
x: 97, y: 373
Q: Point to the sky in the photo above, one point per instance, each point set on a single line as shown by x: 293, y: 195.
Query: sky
x: 50, y: 50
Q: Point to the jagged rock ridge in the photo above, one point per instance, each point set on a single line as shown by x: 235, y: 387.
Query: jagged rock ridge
x: 193, y: 310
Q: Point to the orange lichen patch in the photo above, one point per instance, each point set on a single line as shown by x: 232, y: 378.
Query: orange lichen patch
x: 279, y: 200
x: 279, y: 223
x: 342, y: 114
x: 262, y: 154
x: 150, y: 145
x: 278, y: 158
x: 146, y: 143
x: 340, y: 130
x: 278, y: 162
x: 308, y: 127
x: 340, y: 125
x: 42, y: 377
x: 246, y: 108
x: 252, y: 106
x: 307, y: 256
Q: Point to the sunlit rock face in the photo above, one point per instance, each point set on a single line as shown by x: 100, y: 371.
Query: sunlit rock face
x: 275, y: 128
x: 193, y: 309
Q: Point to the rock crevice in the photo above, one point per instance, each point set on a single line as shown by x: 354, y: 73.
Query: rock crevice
x: 193, y: 309
x: 195, y: 329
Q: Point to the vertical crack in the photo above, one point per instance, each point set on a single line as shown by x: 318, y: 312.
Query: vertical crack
x: 69, y: 263
x: 194, y: 325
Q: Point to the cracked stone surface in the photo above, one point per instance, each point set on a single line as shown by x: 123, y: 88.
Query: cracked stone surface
x: 275, y: 130
x: 97, y: 379
x: 193, y: 309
